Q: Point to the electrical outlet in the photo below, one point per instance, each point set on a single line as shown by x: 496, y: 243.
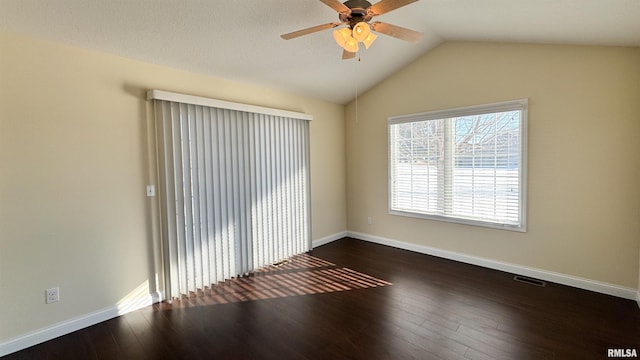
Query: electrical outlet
x: 370, y: 220
x: 52, y: 295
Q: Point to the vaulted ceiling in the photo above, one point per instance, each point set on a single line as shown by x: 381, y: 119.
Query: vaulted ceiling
x: 239, y: 40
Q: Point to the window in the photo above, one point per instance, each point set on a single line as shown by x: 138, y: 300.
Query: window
x: 465, y: 165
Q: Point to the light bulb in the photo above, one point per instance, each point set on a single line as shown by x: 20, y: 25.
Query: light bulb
x: 339, y: 37
x: 369, y: 40
x: 361, y: 30
x: 351, y: 45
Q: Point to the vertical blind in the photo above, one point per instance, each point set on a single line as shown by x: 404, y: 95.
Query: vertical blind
x: 233, y: 186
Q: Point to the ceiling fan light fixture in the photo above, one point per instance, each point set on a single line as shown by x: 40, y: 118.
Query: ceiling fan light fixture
x: 361, y: 30
x: 369, y: 40
x: 351, y: 45
x: 339, y: 36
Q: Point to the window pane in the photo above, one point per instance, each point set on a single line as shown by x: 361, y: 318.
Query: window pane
x: 415, y: 166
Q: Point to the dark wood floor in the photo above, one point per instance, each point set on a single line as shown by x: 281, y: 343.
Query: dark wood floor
x: 364, y: 301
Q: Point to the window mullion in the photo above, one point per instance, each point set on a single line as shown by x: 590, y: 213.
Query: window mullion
x: 448, y: 164
x: 411, y: 161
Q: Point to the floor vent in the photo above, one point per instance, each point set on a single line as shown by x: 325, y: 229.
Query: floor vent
x: 531, y: 281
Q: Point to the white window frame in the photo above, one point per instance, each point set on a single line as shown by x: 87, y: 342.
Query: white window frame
x: 513, y: 105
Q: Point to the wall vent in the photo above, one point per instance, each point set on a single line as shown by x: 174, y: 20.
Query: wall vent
x: 526, y: 280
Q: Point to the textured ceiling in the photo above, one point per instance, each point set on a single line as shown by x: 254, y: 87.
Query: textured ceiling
x: 239, y: 40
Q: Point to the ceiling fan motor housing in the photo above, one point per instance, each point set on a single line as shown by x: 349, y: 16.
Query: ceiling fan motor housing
x: 357, y: 4
x: 359, y: 12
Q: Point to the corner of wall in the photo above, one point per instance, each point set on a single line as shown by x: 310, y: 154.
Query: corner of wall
x: 328, y: 239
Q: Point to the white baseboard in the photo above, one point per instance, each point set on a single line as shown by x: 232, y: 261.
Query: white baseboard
x: 328, y: 239
x: 638, y: 297
x: 157, y: 297
x: 68, y: 326
x: 578, y: 282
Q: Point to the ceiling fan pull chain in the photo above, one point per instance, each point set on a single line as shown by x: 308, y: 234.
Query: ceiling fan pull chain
x: 357, y: 79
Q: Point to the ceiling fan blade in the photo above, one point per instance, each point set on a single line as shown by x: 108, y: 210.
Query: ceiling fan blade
x: 384, y: 6
x: 310, y: 30
x: 347, y: 55
x: 396, y: 31
x: 336, y: 5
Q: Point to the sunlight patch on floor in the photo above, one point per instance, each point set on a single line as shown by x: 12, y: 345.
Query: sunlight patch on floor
x: 300, y: 275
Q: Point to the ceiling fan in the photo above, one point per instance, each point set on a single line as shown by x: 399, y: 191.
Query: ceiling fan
x: 357, y: 14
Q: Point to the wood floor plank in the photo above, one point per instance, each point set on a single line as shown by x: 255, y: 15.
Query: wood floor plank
x: 356, y: 300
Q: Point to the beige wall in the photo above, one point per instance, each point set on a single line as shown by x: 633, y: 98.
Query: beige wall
x: 74, y: 156
x: 584, y: 153
x: 75, y: 160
